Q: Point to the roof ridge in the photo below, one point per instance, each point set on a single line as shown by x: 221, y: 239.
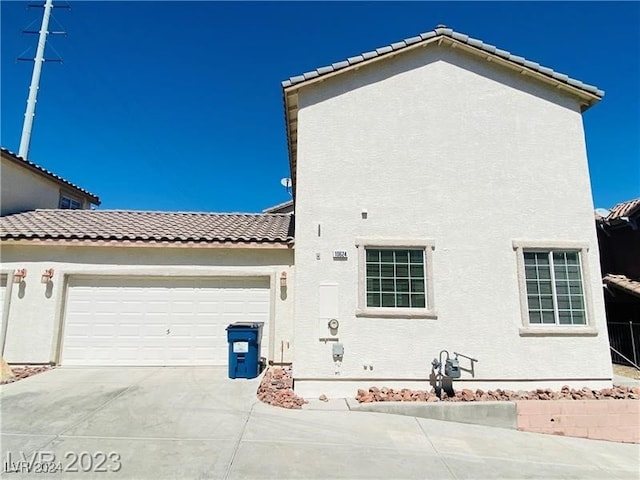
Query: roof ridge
x: 155, y: 212
x: 441, y: 31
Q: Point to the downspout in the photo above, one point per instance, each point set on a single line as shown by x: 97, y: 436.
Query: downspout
x: 5, y: 312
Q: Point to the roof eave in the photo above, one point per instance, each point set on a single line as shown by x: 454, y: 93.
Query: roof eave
x: 283, y: 244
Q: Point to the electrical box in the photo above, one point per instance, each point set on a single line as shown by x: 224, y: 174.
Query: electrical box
x: 452, y: 368
x: 338, y: 352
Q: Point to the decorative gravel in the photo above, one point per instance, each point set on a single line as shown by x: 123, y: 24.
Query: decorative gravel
x: 21, y: 373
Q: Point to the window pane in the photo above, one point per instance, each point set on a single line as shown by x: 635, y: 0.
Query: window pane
x: 544, y: 272
x: 373, y: 255
x: 575, y: 288
x: 402, y: 300
x: 564, y: 303
x: 387, y: 285
x: 417, y: 300
x: 416, y: 256
x: 387, y: 270
x: 535, y: 317
x: 547, y: 317
x: 402, y: 270
x: 572, y: 258
x: 373, y: 270
x: 388, y: 300
x: 534, y: 302
x: 564, y: 318
x: 373, y: 299
x: 65, y: 203
x: 574, y: 273
x: 579, y: 317
x: 417, y: 286
x: 562, y: 288
x: 373, y: 285
x: 531, y: 272
x: 402, y: 256
x: 532, y: 288
x: 386, y: 256
x: 545, y: 288
x: 577, y: 303
x: 417, y: 271
x: 546, y: 303
x: 402, y: 285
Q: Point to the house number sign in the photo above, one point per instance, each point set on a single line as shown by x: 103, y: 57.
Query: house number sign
x: 340, y: 255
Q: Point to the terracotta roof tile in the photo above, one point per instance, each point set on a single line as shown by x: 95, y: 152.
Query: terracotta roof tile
x: 624, y: 209
x: 140, y: 226
x: 624, y: 283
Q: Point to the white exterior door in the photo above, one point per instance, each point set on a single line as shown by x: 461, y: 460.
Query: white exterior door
x: 154, y: 321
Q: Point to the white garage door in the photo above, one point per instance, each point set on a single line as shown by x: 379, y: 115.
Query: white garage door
x: 143, y: 321
x: 3, y: 289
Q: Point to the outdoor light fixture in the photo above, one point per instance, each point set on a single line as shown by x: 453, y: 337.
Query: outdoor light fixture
x: 283, y: 280
x: 19, y: 275
x: 47, y: 276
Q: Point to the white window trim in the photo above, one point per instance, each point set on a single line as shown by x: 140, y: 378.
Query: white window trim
x: 71, y: 197
x: 428, y: 245
x: 534, y: 330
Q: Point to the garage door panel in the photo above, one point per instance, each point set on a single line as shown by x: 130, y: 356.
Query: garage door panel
x: 153, y: 321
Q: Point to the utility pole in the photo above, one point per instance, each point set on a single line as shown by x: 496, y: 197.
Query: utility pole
x: 30, y: 113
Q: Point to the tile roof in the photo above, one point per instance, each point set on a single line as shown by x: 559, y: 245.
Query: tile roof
x: 624, y: 209
x: 443, y: 31
x: 29, y: 164
x: 624, y: 283
x: 139, y: 226
x: 284, y: 207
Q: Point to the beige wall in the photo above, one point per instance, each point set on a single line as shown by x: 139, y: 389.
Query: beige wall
x: 439, y: 145
x: 36, y: 310
x: 22, y: 190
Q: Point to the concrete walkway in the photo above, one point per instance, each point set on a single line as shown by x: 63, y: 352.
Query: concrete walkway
x: 196, y: 423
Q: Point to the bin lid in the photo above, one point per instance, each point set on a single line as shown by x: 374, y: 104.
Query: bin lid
x: 245, y: 325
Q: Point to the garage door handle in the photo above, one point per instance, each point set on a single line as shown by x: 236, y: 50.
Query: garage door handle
x: 168, y: 331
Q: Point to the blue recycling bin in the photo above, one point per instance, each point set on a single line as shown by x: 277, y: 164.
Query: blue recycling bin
x: 244, y: 349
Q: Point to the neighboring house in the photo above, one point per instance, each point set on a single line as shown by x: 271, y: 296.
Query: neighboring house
x: 26, y: 186
x: 442, y: 201
x: 450, y: 179
x: 285, y: 207
x: 619, y: 240
x: 143, y: 288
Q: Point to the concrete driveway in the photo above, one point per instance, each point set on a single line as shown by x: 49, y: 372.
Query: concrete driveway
x: 196, y: 423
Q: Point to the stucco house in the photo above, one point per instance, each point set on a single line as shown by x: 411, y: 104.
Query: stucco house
x: 442, y: 201
x: 25, y: 186
x: 450, y: 178
x: 619, y: 241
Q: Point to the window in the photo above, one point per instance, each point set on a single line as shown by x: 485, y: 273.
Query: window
x: 69, y: 203
x: 555, y: 292
x: 395, y: 278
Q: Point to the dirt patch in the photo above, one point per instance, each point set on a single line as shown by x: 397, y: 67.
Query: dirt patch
x: 385, y: 394
x: 276, y: 389
x: 625, y: 371
x: 20, y: 373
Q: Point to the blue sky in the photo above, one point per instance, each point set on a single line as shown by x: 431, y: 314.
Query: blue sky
x: 178, y: 105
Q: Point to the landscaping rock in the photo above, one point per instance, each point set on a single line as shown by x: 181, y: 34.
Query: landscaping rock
x: 385, y: 394
x: 276, y: 389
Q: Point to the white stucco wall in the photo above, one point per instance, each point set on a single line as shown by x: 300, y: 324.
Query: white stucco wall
x: 22, y: 190
x: 437, y: 144
x: 36, y: 312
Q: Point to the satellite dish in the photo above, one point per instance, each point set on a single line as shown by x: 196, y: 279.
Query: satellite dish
x: 285, y: 182
x: 603, y: 212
